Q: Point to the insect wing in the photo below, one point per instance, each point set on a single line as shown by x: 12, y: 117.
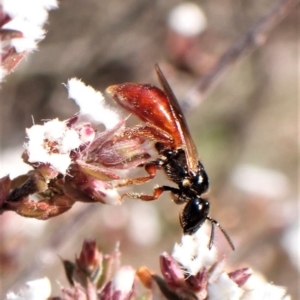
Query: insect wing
x: 159, y: 108
x: 150, y: 104
x: 186, y: 139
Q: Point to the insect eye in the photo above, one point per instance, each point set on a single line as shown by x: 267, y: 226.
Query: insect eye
x: 194, y: 214
x: 168, y: 153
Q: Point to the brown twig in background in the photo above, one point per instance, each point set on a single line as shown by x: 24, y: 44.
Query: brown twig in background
x: 254, y: 37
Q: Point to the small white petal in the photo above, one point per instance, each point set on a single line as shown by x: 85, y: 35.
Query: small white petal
x: 70, y: 141
x: 28, y: 29
x: 36, y: 131
x: 35, y: 147
x: 60, y: 162
x: 54, y: 129
x: 24, y: 45
x: 92, y: 103
x: 224, y: 289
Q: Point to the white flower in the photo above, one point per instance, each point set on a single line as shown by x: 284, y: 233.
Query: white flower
x: 92, y: 103
x: 26, y: 17
x: 193, y: 252
x: 34, y: 11
x: 39, y: 289
x: 21, y: 30
x: 194, y: 257
x: 52, y: 143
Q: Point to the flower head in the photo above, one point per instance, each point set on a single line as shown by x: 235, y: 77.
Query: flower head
x: 21, y: 29
x: 194, y: 271
x: 95, y: 275
x: 52, y: 143
x: 74, y: 161
x: 193, y: 252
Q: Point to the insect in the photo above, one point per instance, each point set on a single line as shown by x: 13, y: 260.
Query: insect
x: 165, y: 124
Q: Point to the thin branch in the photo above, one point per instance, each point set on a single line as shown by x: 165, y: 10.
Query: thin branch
x: 254, y: 37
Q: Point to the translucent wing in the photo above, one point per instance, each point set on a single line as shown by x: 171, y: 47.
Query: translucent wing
x: 187, y: 142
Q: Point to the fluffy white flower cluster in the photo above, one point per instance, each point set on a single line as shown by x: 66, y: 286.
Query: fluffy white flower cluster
x: 193, y: 252
x: 53, y: 142
x: 21, y: 29
x: 27, y: 17
x: 194, y: 256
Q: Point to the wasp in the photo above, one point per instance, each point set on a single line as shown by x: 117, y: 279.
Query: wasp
x: 165, y: 124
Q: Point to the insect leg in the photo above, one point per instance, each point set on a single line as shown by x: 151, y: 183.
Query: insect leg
x: 156, y: 193
x: 150, y: 168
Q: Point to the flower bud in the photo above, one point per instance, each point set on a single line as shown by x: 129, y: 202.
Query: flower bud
x: 90, y: 260
x: 171, y: 271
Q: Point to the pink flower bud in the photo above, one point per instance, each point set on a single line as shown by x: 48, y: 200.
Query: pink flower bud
x: 171, y: 271
x: 90, y: 259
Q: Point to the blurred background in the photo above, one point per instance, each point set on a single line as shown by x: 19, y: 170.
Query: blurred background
x: 246, y: 131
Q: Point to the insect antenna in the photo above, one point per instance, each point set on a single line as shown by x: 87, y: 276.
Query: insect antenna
x: 212, y: 235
